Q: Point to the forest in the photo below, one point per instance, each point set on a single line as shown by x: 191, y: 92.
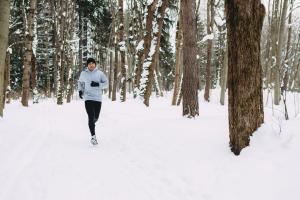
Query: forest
x: 230, y: 62
x: 151, y: 47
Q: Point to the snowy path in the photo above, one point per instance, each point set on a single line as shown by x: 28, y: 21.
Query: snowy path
x: 143, y: 154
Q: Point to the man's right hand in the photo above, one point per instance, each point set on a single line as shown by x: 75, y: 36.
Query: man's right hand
x: 80, y: 94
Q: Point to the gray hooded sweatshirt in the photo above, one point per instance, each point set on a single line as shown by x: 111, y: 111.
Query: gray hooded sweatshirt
x: 84, y: 84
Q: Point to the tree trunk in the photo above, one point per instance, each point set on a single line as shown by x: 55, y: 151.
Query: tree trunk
x: 275, y: 54
x: 144, y: 47
x: 295, y: 65
x: 34, y: 79
x: 80, y: 35
x: 287, y: 62
x: 54, y: 17
x: 149, y: 64
x: 69, y: 58
x: 190, y: 73
x: 177, y: 59
x: 28, y: 54
x: 122, y: 52
x: 7, y: 88
x: 210, y: 25
x: 61, y: 52
x: 70, y: 87
x: 110, y: 73
x: 267, y: 59
x: 278, y: 53
x: 115, y: 82
x: 224, y: 77
x: 245, y: 98
x: 4, y: 24
x: 47, y: 66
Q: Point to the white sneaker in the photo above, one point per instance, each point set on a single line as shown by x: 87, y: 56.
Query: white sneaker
x: 94, y: 140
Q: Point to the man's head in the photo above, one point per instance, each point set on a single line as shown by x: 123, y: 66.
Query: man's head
x: 91, y: 64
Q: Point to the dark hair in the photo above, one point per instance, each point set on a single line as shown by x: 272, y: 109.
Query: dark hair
x: 90, y: 60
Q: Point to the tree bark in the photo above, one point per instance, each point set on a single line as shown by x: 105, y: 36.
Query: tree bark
x: 146, y: 44
x: 274, y: 37
x: 244, y: 70
x: 34, y: 79
x: 224, y: 77
x: 28, y: 54
x: 151, y: 58
x: 61, y: 52
x: 278, y: 53
x: 110, y: 73
x: 4, y: 24
x: 115, y: 81
x: 122, y: 52
x: 47, y: 66
x: 177, y: 59
x: 190, y: 73
x: 7, y: 88
x: 210, y: 25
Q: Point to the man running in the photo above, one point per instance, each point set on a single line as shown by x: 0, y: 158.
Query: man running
x: 90, y: 85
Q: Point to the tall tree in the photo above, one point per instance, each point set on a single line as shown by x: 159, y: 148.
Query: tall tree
x: 274, y: 48
x: 60, y: 50
x: 224, y: 76
x: 244, y: 70
x: 4, y: 22
x: 210, y: 25
x: 279, y: 52
x: 116, y: 64
x: 28, y: 52
x: 122, y: 51
x: 178, y: 59
x: 144, y: 45
x: 190, y: 73
x: 7, y: 88
x: 149, y: 63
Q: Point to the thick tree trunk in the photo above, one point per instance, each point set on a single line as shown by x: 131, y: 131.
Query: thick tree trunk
x: 28, y: 53
x: 244, y: 70
x: 190, y: 73
x: 4, y: 24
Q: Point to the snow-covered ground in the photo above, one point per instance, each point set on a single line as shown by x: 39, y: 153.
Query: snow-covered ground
x: 144, y: 154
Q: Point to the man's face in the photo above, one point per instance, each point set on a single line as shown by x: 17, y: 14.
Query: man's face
x: 91, y: 66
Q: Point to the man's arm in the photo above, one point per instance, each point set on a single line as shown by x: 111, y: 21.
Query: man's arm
x: 81, y: 82
x: 103, y: 81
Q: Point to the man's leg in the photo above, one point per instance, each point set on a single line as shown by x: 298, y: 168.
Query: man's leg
x: 97, y: 110
x: 89, y: 107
